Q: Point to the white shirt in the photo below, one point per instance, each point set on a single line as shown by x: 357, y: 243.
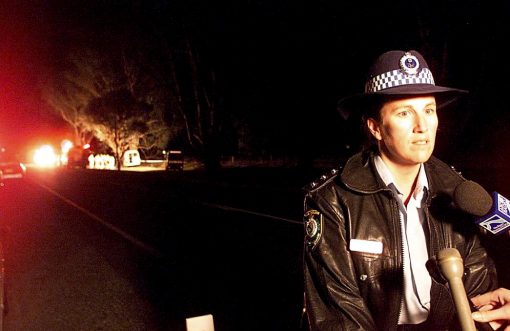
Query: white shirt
x: 417, y: 281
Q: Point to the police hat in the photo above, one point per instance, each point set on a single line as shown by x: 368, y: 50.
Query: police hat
x: 399, y: 74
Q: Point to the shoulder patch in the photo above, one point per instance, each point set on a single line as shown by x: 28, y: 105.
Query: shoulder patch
x: 313, y: 227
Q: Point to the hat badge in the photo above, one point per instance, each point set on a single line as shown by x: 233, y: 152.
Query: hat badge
x: 409, y: 64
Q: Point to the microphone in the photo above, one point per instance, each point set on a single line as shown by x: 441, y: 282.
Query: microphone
x: 437, y: 275
x: 452, y: 268
x: 493, y: 212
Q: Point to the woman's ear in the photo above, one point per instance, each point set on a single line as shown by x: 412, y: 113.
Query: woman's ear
x: 374, y: 128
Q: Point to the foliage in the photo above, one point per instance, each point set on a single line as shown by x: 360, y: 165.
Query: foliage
x: 118, y: 120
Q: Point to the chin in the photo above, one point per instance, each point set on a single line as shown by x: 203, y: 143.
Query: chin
x: 417, y: 158
x: 422, y: 158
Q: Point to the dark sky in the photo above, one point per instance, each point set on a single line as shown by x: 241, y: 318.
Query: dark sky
x: 283, y: 63
x: 24, y: 52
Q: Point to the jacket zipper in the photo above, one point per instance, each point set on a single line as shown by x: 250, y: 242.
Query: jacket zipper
x: 400, y: 259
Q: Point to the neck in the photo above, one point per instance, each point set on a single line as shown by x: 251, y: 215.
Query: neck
x: 405, y: 176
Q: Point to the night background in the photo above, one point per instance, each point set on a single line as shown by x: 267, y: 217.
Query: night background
x: 219, y: 80
x: 279, y: 66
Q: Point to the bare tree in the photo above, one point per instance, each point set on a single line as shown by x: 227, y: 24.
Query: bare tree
x: 69, y: 100
x: 193, y: 96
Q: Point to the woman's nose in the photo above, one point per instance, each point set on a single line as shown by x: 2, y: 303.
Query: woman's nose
x: 421, y: 124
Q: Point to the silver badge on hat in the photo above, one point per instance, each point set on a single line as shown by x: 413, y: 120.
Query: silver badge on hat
x: 409, y: 64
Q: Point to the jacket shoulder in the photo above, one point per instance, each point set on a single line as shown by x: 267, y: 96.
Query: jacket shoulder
x: 437, y: 163
x: 444, y: 177
x: 322, y: 180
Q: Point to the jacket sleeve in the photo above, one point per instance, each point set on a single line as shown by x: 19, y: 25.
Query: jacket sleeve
x: 332, y: 297
x: 479, y: 268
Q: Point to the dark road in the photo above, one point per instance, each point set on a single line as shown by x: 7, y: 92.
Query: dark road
x: 97, y: 252
x: 59, y: 273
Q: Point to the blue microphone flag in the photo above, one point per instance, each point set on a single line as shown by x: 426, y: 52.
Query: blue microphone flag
x: 497, y: 221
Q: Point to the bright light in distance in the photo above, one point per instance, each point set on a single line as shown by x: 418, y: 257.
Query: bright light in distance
x: 45, y: 156
x: 66, y: 145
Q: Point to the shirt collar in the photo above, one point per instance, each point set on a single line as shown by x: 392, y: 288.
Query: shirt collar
x: 421, y: 183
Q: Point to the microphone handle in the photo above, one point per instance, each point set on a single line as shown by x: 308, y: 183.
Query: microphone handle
x: 461, y: 303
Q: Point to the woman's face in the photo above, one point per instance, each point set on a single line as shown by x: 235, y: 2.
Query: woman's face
x: 406, y: 132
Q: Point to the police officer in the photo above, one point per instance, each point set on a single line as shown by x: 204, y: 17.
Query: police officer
x: 371, y: 226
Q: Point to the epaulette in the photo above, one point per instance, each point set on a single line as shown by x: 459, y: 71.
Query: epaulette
x: 325, y: 178
x: 455, y: 169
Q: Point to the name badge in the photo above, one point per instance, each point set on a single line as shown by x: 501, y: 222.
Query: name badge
x: 366, y: 246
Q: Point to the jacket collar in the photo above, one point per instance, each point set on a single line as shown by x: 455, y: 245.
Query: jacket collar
x: 360, y: 174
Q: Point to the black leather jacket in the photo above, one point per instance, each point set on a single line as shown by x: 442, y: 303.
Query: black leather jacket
x: 348, y: 290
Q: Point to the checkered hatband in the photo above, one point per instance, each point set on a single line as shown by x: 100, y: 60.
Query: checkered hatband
x: 398, y: 78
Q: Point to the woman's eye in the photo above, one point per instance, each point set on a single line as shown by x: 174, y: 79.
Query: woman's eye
x: 403, y: 113
x: 430, y: 111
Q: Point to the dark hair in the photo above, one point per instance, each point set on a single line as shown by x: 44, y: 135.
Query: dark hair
x: 371, y: 109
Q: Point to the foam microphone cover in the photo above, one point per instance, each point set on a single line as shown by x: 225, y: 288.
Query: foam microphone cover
x: 472, y: 198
